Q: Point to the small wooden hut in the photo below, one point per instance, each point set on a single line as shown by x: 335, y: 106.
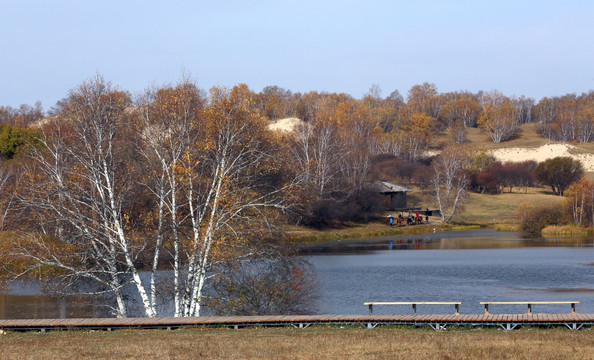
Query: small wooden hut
x: 395, y: 195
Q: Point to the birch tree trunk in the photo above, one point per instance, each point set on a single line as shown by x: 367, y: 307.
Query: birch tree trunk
x: 450, y: 179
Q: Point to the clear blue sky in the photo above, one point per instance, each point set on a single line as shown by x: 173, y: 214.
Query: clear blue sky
x: 532, y: 48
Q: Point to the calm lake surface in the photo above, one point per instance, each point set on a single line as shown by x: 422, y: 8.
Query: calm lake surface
x: 471, y: 267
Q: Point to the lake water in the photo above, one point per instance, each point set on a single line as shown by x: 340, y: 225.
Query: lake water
x: 470, y: 267
x: 470, y: 276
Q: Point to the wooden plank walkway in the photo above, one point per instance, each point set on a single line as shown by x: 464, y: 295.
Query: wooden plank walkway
x: 572, y: 321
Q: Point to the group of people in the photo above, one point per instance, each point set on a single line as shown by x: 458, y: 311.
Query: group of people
x: 410, y: 220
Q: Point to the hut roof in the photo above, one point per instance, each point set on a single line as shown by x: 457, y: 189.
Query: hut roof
x: 388, y: 187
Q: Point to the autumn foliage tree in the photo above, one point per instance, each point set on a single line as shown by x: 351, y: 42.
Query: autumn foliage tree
x: 566, y: 118
x: 416, y: 134
x: 174, y: 184
x: 229, y: 192
x: 500, y: 119
x: 464, y: 109
x: 23, y: 116
x: 579, y: 202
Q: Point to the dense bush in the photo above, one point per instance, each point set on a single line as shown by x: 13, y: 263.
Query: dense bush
x: 484, y: 183
x: 14, y: 139
x: 534, y: 219
x: 497, y: 176
x: 359, y: 206
x: 278, y: 286
x: 391, y: 168
x: 559, y: 173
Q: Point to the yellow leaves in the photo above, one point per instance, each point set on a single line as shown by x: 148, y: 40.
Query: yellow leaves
x: 481, y: 160
x: 419, y: 124
x: 377, y: 131
x: 484, y: 116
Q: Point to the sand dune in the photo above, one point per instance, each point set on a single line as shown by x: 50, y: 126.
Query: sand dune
x: 543, y: 153
x: 287, y: 124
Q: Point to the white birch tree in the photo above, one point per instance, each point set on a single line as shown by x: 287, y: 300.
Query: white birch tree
x: 83, y: 191
x: 7, y: 190
x: 174, y: 184
x: 318, y: 151
x: 450, y: 179
x: 226, y: 190
x: 209, y: 171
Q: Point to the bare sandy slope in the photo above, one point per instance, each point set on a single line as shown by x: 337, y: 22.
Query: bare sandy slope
x: 543, y: 153
x: 287, y: 124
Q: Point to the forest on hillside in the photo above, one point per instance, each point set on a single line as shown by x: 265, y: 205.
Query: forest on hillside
x: 107, y: 184
x: 343, y: 144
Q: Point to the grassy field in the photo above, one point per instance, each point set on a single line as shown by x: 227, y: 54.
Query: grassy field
x: 311, y: 343
x: 527, y: 136
x: 488, y: 209
x: 373, y: 229
x: 500, y: 209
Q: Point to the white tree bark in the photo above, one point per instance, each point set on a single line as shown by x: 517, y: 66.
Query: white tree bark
x: 450, y: 179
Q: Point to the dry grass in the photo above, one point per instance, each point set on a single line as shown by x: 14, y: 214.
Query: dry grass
x: 527, y: 136
x: 312, y: 343
x: 373, y: 229
x: 567, y: 230
x: 491, y: 210
x: 500, y: 208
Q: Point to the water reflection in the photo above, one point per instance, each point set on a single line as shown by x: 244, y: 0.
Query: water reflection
x: 476, y: 239
x: 48, y: 307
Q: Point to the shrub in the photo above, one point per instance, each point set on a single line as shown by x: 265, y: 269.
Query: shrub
x: 280, y: 286
x: 484, y: 182
x: 14, y: 139
x: 559, y: 173
x: 359, y: 206
x: 534, y: 219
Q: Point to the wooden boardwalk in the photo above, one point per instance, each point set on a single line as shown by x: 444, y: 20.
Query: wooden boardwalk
x: 438, y: 322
